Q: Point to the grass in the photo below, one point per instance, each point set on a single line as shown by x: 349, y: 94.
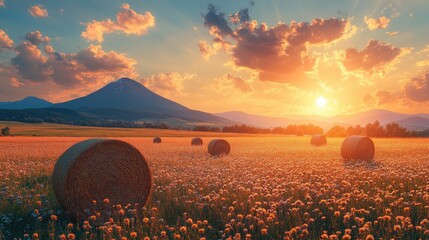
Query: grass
x: 60, y: 130
x: 267, y: 188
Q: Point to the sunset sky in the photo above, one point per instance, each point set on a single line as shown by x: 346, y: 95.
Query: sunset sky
x: 272, y: 58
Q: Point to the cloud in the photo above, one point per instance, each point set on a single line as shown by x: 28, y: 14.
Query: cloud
x: 279, y: 53
x: 91, y: 64
x: 392, y: 33
x: 167, y: 84
x: 37, y: 38
x: 38, y: 11
x: 228, y: 81
x: 377, y: 23
x: 384, y: 97
x: 127, y: 21
x: 417, y: 89
x: 31, y: 63
x: 205, y: 49
x: 5, y: 41
x: 2, y: 3
x: 240, y: 16
x: 374, y: 56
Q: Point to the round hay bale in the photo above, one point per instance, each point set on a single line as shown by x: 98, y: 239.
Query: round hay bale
x: 156, y: 140
x: 358, y: 147
x: 196, y: 141
x: 318, y: 140
x: 218, y: 147
x: 97, y: 169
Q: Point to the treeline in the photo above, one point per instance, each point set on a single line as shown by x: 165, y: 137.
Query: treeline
x: 375, y: 130
x: 371, y: 130
x: 289, y: 130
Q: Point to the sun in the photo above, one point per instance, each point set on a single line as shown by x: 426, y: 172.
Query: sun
x: 321, y: 102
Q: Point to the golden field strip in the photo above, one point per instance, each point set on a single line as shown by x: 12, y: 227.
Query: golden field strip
x: 62, y: 130
x: 269, y: 187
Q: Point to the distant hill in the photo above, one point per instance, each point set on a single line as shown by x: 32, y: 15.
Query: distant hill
x: 414, y: 123
x: 28, y: 102
x: 410, y: 121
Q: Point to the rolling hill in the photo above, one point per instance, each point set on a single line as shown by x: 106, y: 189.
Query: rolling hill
x: 28, y: 102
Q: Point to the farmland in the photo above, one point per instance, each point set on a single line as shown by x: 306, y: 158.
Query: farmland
x: 269, y: 187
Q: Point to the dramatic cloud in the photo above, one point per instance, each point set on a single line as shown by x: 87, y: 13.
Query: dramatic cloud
x: 1, y: 3
x: 229, y: 81
x: 88, y: 65
x: 127, y: 21
x: 377, y: 23
x: 38, y: 11
x: 417, y: 89
x: 279, y: 53
x: 31, y: 63
x: 5, y: 41
x: 167, y: 84
x: 37, y: 38
x: 374, y: 56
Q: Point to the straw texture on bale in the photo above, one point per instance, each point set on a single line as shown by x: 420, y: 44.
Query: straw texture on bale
x: 218, y: 147
x: 318, y: 140
x: 358, y: 147
x: 97, y: 169
x: 156, y: 140
x: 197, y: 142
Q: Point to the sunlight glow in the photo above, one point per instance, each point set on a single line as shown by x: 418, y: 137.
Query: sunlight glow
x: 321, y: 102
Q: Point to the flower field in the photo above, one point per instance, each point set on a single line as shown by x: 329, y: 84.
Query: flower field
x: 267, y: 188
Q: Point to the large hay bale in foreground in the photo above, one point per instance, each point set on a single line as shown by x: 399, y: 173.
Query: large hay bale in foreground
x: 318, y: 140
x: 97, y: 169
x: 156, y: 140
x: 196, y: 141
x: 358, y: 147
x: 218, y: 147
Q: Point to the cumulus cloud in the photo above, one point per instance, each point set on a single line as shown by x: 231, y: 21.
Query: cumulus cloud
x: 167, y: 84
x: 31, y: 63
x: 417, y: 88
x: 67, y: 69
x: 278, y: 53
x: 5, y: 41
x: 1, y: 3
x: 228, y: 81
x: 377, y: 23
x: 38, y: 11
x: 127, y: 21
x: 374, y: 56
x: 37, y: 38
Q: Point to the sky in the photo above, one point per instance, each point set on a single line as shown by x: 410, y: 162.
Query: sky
x: 273, y: 58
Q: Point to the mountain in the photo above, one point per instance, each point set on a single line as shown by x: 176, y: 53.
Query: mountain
x: 28, y: 102
x: 410, y: 121
x: 127, y: 99
x: 415, y: 123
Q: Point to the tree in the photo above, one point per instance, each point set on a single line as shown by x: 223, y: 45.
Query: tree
x: 374, y: 130
x: 337, y: 131
x: 5, y: 131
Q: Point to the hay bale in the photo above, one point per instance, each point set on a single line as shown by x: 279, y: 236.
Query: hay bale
x: 218, y: 147
x: 197, y: 141
x: 358, y: 147
x: 156, y: 140
x: 318, y: 140
x: 97, y: 169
